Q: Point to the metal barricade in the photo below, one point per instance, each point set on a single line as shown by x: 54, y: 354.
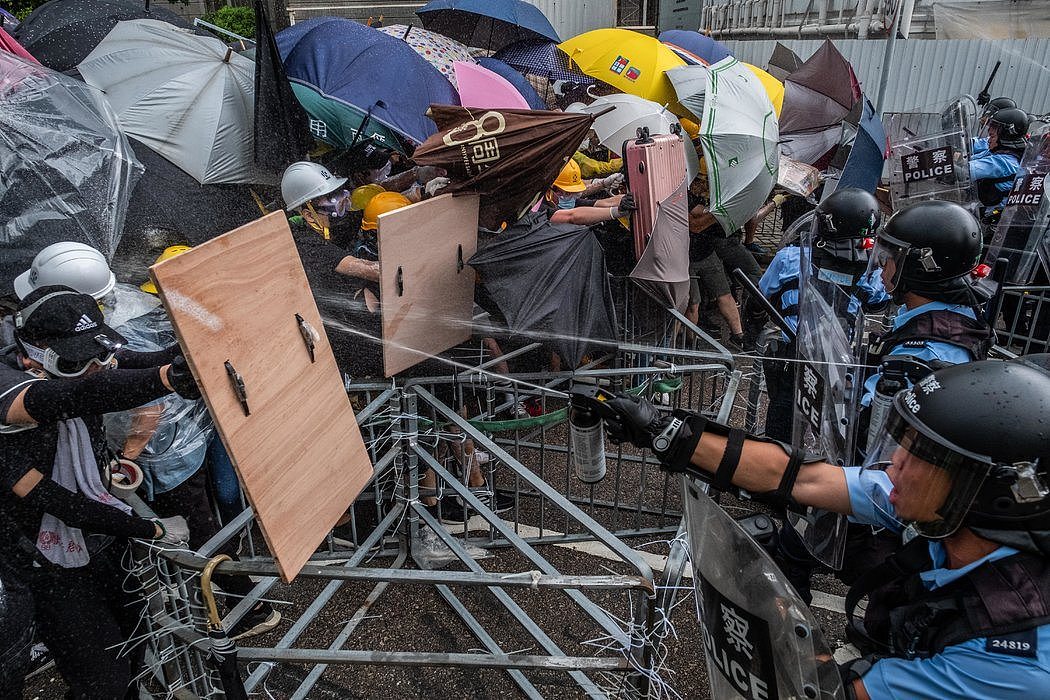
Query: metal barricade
x: 1024, y: 326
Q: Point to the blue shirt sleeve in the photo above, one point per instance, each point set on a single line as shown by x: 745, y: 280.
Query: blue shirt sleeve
x: 964, y: 670
x: 994, y: 165
x: 869, y: 498
x: 980, y: 146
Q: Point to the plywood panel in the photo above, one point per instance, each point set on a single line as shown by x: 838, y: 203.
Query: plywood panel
x: 299, y: 453
x: 427, y: 293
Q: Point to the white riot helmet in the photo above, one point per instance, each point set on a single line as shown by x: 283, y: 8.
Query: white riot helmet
x: 303, y: 181
x: 69, y: 264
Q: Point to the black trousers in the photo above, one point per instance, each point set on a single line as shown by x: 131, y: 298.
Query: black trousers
x: 84, y: 616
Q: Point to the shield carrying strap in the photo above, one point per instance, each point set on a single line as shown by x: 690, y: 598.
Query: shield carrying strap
x: 723, y: 477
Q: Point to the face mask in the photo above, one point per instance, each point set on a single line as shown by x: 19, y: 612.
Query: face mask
x: 334, y: 205
x: 566, y: 202
x: 585, y: 145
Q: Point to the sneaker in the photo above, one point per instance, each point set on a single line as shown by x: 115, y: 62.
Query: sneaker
x: 262, y: 618
x: 741, y: 343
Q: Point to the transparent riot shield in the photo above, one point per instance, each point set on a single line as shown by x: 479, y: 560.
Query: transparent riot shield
x: 1025, y: 220
x: 827, y: 388
x: 760, y: 640
x: 930, y: 154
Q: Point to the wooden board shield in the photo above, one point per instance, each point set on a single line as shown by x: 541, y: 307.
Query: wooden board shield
x: 426, y: 289
x: 298, y: 451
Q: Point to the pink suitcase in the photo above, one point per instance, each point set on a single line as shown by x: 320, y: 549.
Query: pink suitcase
x: 655, y: 168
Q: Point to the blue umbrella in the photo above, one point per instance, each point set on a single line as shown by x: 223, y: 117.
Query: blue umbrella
x: 519, y: 81
x: 698, y: 45
x: 487, y: 24
x: 352, y: 78
x: 864, y: 165
x: 542, y: 58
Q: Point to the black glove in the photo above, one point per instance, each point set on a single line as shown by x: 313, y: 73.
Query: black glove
x: 181, y: 379
x: 636, y: 421
x: 626, y: 205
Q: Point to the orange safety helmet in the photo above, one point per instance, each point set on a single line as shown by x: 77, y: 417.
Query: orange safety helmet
x: 381, y: 204
x: 570, y: 179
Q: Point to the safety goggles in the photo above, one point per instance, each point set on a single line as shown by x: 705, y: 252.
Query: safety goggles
x: 334, y: 205
x: 60, y: 367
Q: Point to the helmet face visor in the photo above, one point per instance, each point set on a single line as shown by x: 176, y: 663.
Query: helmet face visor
x: 933, y: 485
x: 887, y: 259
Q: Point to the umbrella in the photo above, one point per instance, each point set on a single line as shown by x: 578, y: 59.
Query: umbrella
x: 629, y: 61
x: 664, y: 265
x: 10, y: 45
x: 542, y: 58
x: 549, y: 281
x: 487, y: 24
x: 630, y: 114
x: 481, y: 88
x: 694, y: 45
x: 508, y: 156
x: 8, y: 20
x: 783, y: 62
x: 350, y: 77
x: 169, y: 207
x: 437, y: 50
x: 282, y: 127
x: 863, y: 166
x: 773, y: 87
x: 519, y: 81
x: 61, y: 33
x: 188, y: 97
x: 68, y: 170
x: 817, y: 97
x: 738, y: 134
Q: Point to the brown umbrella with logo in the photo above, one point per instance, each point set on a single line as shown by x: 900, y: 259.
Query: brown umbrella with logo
x: 508, y: 156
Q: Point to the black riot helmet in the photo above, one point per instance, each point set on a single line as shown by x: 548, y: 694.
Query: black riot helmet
x: 994, y: 105
x: 986, y: 467
x: 1012, y: 127
x: 933, y: 247
x: 845, y: 225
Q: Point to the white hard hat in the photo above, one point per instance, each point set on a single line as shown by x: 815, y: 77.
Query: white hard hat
x: 71, y: 264
x: 303, y: 181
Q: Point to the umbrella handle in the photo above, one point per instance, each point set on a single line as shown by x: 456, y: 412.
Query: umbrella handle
x: 214, y: 621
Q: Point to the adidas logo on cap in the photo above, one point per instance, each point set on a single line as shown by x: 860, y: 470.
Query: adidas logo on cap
x: 84, y: 324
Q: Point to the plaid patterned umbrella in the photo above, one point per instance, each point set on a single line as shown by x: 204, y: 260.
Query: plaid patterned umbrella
x: 542, y: 58
x: 439, y: 51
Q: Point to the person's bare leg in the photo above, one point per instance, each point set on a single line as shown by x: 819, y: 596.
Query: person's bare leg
x: 495, y: 350
x: 727, y: 307
x: 692, y: 313
x: 750, y: 230
x: 428, y: 483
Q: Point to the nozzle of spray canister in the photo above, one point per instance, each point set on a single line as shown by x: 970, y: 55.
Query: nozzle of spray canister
x: 895, y: 376
x: 586, y: 433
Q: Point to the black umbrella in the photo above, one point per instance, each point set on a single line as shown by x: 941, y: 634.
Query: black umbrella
x: 169, y: 207
x: 222, y: 653
x: 550, y: 283
x: 282, y: 127
x: 61, y: 33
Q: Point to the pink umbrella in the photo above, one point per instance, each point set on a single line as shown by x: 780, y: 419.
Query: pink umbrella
x: 9, y: 44
x: 480, y: 87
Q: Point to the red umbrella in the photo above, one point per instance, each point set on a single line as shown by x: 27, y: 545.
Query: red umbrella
x: 9, y: 44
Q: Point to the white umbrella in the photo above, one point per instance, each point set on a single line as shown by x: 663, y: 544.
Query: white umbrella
x: 188, y: 97
x: 738, y: 134
x: 622, y: 124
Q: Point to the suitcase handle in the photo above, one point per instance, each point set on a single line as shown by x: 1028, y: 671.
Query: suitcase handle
x: 643, y: 135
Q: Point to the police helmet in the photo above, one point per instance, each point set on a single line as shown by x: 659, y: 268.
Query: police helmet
x: 1012, y: 127
x: 995, y: 104
x: 934, y: 246
x: 986, y: 468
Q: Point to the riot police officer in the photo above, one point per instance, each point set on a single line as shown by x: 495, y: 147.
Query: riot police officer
x: 963, y: 610
x: 845, y: 226
x: 927, y: 254
x: 994, y: 170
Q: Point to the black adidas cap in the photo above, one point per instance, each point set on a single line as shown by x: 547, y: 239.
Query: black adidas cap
x: 66, y: 321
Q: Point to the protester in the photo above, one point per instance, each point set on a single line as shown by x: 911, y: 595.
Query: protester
x: 67, y: 369
x: 944, y: 616
x: 566, y: 202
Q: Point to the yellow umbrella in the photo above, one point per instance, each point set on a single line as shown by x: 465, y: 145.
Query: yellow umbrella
x: 774, y: 88
x: 632, y: 62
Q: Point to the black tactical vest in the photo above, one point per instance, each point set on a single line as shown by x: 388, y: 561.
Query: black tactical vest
x: 944, y: 326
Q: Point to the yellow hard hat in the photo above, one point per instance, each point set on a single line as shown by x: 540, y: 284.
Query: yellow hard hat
x: 361, y: 196
x: 691, y: 128
x: 570, y: 179
x: 381, y: 204
x: 169, y: 253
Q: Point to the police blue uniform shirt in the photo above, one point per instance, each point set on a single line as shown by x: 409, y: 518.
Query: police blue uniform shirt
x: 986, y: 165
x: 966, y: 670
x: 930, y: 350
x: 786, y: 267
x: 980, y: 146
